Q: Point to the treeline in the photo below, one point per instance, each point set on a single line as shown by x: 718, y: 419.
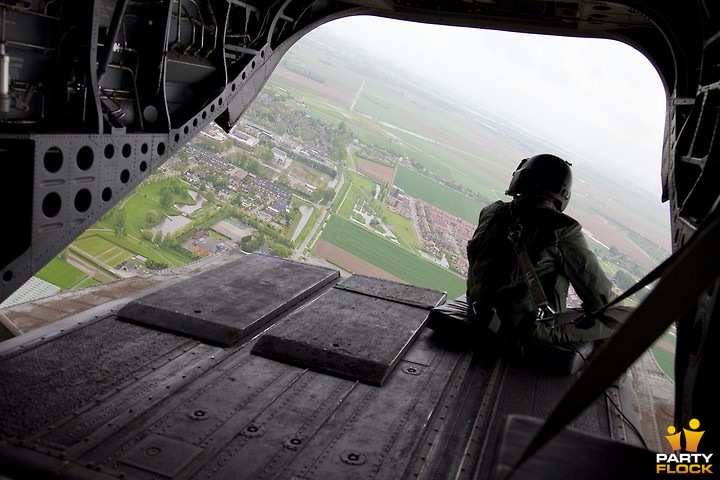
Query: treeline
x: 302, y: 71
x: 212, y: 145
x: 321, y: 167
x: 246, y: 161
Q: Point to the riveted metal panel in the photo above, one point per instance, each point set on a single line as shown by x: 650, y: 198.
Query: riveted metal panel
x: 54, y: 379
x: 394, y: 291
x: 351, y: 332
x: 227, y: 304
x: 158, y: 454
x: 568, y: 455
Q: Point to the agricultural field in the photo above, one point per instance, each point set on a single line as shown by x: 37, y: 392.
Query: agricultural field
x: 390, y: 257
x: 60, y: 273
x: 325, y: 91
x: 103, y: 250
x: 307, y: 174
x: 349, y: 262
x: 324, y: 70
x: 382, y: 174
x: 419, y: 186
x: 664, y: 352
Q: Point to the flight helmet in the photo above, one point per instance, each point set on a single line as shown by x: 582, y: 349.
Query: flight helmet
x: 543, y: 175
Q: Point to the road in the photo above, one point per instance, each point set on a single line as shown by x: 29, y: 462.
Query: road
x: 301, y: 249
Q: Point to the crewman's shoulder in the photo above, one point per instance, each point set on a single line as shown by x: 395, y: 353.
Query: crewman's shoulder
x: 555, y: 219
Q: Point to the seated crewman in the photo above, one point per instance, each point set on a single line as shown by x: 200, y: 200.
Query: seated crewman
x: 497, y: 289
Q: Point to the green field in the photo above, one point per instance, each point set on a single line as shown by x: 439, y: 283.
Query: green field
x: 403, y: 229
x: 391, y: 257
x: 106, y: 242
x: 362, y: 188
x: 88, y: 282
x: 418, y: 186
x: 96, y: 245
x: 340, y: 196
x: 60, y: 273
x: 665, y: 360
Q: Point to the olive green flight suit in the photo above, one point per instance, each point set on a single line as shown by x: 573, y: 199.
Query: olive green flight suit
x: 496, y: 288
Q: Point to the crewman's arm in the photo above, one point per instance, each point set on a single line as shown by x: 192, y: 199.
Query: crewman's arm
x: 583, y: 269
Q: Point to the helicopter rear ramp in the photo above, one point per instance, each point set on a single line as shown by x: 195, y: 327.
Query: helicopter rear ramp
x: 98, y: 396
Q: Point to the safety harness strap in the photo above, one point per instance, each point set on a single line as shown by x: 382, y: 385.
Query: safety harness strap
x: 545, y: 313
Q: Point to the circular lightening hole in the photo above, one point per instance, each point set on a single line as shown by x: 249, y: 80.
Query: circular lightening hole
x: 51, y: 204
x: 83, y: 200
x: 85, y: 158
x: 53, y: 160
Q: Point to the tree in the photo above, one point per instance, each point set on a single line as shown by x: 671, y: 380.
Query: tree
x: 157, y: 239
x: 623, y: 280
x: 153, y: 265
x: 266, y: 154
x: 323, y: 195
x: 250, y: 244
x: 120, y: 217
x: 167, y: 198
x: 280, y: 251
x: 152, y: 217
x: 119, y: 231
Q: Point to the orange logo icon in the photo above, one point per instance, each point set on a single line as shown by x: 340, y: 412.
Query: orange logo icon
x: 692, y: 436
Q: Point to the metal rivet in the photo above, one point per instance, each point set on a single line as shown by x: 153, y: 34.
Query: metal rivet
x: 411, y: 371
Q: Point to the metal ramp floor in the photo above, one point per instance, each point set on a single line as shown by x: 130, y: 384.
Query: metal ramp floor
x: 102, y: 396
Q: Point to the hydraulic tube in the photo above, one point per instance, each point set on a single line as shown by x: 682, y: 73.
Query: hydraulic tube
x: 4, y: 80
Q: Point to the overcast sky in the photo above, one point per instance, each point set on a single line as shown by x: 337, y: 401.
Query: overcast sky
x: 600, y: 99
